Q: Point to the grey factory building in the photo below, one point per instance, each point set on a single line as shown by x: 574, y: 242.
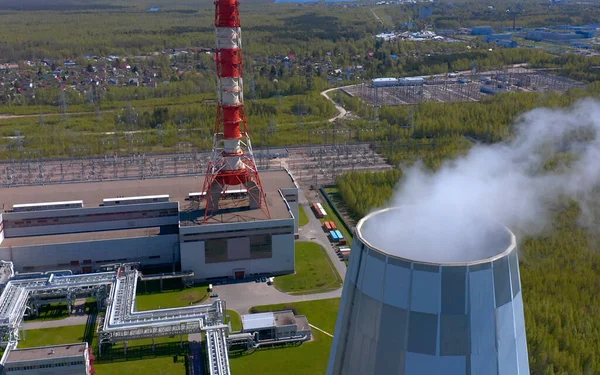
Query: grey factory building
x: 169, y: 232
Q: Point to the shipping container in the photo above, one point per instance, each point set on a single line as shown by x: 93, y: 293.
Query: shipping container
x: 333, y: 226
x: 327, y: 226
x: 333, y: 236
x: 317, y: 211
x: 339, y: 234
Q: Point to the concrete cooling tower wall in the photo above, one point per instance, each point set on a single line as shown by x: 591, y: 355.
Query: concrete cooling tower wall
x: 406, y: 316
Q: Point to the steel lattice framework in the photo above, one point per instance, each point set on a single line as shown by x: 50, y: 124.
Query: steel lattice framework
x: 121, y: 322
x: 232, y: 161
x: 19, y: 295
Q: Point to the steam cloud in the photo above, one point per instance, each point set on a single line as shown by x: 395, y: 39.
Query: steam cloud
x: 453, y: 215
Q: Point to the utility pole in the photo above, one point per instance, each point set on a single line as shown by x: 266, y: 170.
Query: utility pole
x: 62, y: 101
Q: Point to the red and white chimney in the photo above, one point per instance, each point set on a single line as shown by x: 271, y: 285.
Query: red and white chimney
x: 232, y: 162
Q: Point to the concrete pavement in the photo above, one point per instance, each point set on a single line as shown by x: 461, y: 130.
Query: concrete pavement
x: 242, y: 296
x: 74, y: 320
x: 341, y: 111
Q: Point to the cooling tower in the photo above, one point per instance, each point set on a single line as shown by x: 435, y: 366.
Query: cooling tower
x: 403, y: 313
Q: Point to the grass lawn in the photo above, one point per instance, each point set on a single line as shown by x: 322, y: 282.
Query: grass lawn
x: 158, y: 366
x: 236, y: 320
x: 52, y: 336
x: 314, y: 272
x: 309, y: 358
x: 170, y: 299
x: 303, y: 219
x: 150, y: 363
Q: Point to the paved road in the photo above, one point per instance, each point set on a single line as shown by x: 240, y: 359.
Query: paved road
x: 376, y: 16
x: 242, y: 296
x: 74, y: 320
x: 341, y: 111
x: 313, y: 232
x: 196, y: 354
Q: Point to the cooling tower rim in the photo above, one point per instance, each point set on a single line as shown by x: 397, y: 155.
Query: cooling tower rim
x: 512, y: 244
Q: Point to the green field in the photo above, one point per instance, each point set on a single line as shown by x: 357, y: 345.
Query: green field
x: 303, y: 219
x: 314, y: 272
x: 236, y: 320
x: 159, y: 362
x: 170, y: 299
x: 154, y: 366
x: 52, y: 336
x: 309, y: 358
x: 321, y: 314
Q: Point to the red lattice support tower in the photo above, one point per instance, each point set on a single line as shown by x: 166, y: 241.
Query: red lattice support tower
x: 92, y: 359
x: 232, y: 162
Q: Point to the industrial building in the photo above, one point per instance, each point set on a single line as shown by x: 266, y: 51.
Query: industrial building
x: 504, y: 40
x: 384, y: 82
x: 391, y: 82
x: 401, y: 315
x: 170, y: 233
x: 545, y: 35
x: 275, y: 327
x: 482, y: 30
x: 72, y: 359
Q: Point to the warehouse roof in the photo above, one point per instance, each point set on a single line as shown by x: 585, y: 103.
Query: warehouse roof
x: 46, y: 352
x: 384, y: 80
x: 258, y: 321
x: 179, y: 188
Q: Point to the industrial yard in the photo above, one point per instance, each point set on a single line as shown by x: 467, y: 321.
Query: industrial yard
x: 316, y: 165
x: 462, y: 87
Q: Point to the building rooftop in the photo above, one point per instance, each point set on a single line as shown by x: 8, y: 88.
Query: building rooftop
x: 258, y: 321
x: 79, y: 237
x: 301, y: 323
x: 284, y: 318
x: 178, y: 188
x: 274, y: 319
x: 45, y: 352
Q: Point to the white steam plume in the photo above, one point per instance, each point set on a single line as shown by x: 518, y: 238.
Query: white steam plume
x: 448, y: 216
